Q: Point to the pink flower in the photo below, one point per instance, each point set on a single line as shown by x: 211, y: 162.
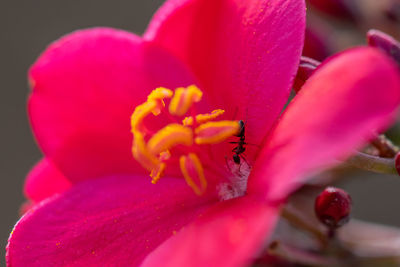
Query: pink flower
x: 98, y: 206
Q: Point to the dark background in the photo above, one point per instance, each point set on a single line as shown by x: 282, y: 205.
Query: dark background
x: 26, y: 27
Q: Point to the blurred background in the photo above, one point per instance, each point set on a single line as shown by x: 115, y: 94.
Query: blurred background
x: 27, y: 27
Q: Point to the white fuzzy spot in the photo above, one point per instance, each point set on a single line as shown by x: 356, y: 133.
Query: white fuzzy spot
x: 237, y: 184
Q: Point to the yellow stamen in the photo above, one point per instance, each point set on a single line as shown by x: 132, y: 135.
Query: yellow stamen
x: 154, y: 104
x: 158, y: 172
x: 140, y: 113
x: 169, y: 136
x: 153, y: 152
x: 160, y: 93
x: 193, y: 170
x: 215, y: 132
x: 183, y: 99
x: 165, y: 155
x: 141, y: 153
x: 202, y: 118
x: 158, y: 96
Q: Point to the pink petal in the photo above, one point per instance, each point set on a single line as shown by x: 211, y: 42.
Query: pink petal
x: 244, y: 52
x: 45, y: 180
x: 345, y: 103
x: 113, y: 221
x: 229, y: 234
x: 85, y: 87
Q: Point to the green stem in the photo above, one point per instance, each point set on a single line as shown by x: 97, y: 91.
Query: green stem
x: 298, y: 256
x: 373, y: 163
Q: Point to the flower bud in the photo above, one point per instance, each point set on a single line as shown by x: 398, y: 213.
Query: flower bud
x: 384, y: 42
x: 333, y: 207
x: 397, y: 163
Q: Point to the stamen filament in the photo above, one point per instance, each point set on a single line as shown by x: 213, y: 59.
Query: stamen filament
x: 193, y: 170
x: 183, y: 99
x: 170, y: 136
x: 215, y: 132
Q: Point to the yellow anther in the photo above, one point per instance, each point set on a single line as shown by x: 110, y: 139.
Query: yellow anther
x: 158, y: 96
x: 154, y: 104
x: 215, y: 131
x: 141, y: 153
x: 193, y: 172
x: 140, y: 113
x: 183, y: 99
x: 202, y: 118
x: 165, y: 155
x: 157, y: 172
x: 169, y: 136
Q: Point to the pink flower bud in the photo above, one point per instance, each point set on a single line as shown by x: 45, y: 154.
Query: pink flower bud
x: 384, y: 42
x: 333, y: 207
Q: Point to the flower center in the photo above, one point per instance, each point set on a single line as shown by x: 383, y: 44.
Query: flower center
x: 178, y: 143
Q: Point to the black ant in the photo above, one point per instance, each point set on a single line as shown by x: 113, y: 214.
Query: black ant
x: 239, y: 149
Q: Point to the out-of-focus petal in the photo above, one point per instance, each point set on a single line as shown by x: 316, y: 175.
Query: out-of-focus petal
x: 317, y: 43
x: 45, y: 180
x: 229, y: 234
x: 307, y: 67
x: 85, y: 87
x: 112, y: 221
x: 345, y: 103
x: 385, y: 42
x: 244, y: 52
x: 342, y: 9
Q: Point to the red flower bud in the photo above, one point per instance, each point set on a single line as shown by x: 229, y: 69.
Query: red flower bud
x: 333, y: 207
x: 397, y: 163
